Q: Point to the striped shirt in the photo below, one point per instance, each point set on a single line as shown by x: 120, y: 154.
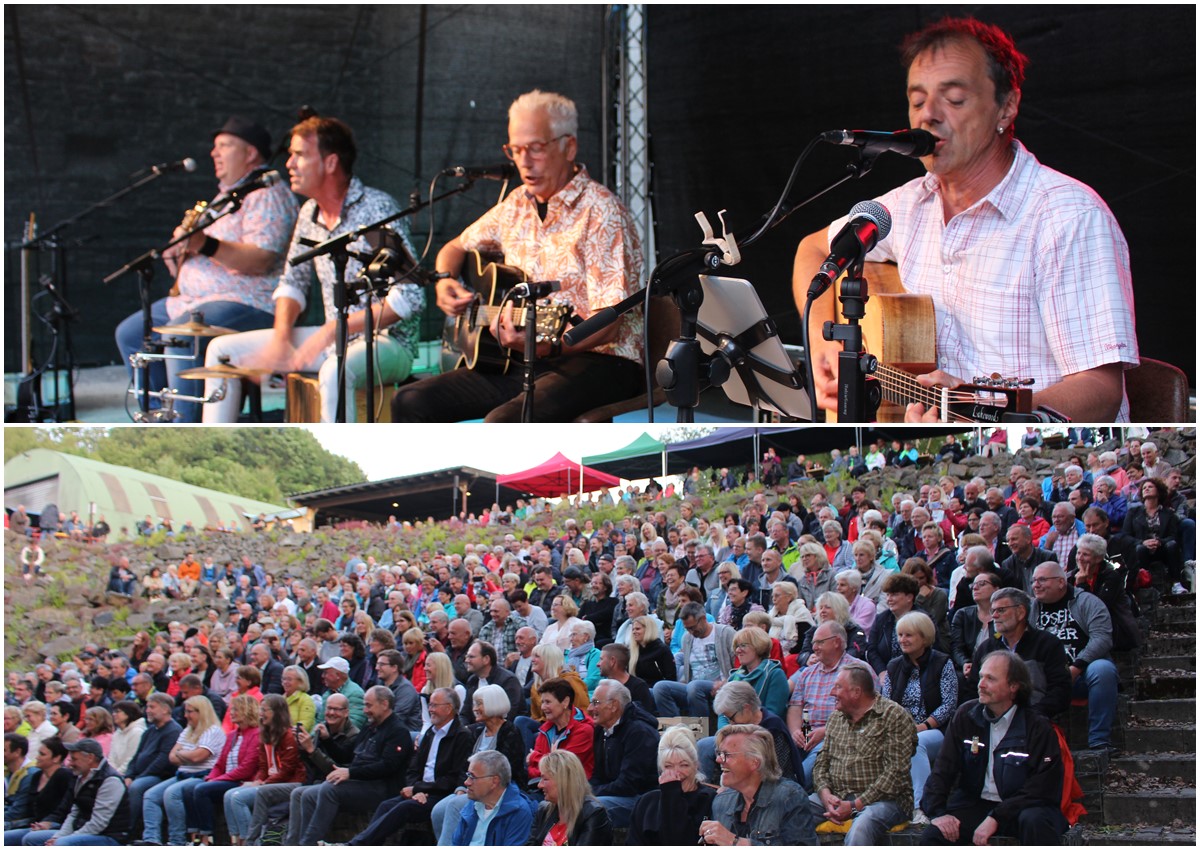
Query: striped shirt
x: 1032, y: 281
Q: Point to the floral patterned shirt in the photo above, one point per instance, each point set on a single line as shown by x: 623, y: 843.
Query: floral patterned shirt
x: 587, y: 242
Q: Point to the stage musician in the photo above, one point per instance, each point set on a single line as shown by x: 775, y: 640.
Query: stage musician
x: 558, y: 225
x: 1027, y: 268
x: 321, y: 167
x: 226, y: 272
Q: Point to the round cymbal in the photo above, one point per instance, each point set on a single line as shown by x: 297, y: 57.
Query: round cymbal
x: 221, y: 370
x: 194, y: 328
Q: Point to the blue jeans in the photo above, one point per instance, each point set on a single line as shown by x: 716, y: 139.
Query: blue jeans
x: 40, y: 837
x: 619, y: 810
x: 1188, y: 535
x: 198, y: 801
x: 1099, y: 685
x: 870, y: 827
x: 446, y: 815
x: 693, y: 699
x: 225, y: 314
x: 136, y: 790
x: 810, y: 761
x: 929, y: 744
x: 239, y: 809
x: 169, y: 796
x: 528, y: 727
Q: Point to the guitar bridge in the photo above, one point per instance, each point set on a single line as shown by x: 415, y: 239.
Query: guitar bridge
x: 1000, y: 382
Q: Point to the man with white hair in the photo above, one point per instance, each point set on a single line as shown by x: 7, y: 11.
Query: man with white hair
x: 1153, y: 466
x: 1065, y: 530
x: 558, y: 225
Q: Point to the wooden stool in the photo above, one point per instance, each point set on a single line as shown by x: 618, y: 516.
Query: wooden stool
x: 304, y: 400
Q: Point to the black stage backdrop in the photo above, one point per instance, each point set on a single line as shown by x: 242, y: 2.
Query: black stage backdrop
x: 736, y: 92
x: 93, y: 93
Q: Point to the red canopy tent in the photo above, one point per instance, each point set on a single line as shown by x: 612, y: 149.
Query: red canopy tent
x: 557, y: 476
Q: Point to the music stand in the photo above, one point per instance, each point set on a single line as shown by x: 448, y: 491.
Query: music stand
x: 734, y: 327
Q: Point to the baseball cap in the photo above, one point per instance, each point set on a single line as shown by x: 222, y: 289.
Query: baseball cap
x: 339, y: 664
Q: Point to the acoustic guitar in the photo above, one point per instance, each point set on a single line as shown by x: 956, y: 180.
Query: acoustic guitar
x: 900, y: 329
x: 466, y: 341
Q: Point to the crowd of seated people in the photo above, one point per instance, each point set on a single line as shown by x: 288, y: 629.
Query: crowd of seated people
x: 835, y: 651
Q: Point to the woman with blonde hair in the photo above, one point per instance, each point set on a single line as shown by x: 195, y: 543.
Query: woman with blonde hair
x: 180, y: 664
x: 672, y: 813
x: 571, y: 815
x: 788, y: 613
x: 649, y: 658
x: 236, y: 765
x: 194, y: 755
x: 549, y: 662
x: 414, y: 651
x: 439, y: 673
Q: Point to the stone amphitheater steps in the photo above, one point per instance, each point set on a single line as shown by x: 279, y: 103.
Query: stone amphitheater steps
x: 1146, y: 794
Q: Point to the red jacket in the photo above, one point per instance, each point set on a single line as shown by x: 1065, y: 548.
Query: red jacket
x: 576, y: 738
x: 247, y: 762
x: 284, y: 757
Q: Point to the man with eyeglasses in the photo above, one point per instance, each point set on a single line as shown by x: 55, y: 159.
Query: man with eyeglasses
x: 1041, y: 651
x: 702, y: 574
x: 558, y: 225
x: 1081, y: 622
x: 433, y: 773
x: 407, y: 705
x: 499, y: 814
x: 382, y: 753
x: 811, y: 702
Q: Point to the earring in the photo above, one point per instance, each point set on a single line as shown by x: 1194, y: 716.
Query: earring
x: 1000, y: 130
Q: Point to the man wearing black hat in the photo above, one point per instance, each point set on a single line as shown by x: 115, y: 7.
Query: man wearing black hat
x: 229, y: 271
x: 321, y: 167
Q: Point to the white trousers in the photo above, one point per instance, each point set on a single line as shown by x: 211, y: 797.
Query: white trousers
x: 393, y: 363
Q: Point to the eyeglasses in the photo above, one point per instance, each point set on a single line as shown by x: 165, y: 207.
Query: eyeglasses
x: 1001, y: 610
x: 722, y: 755
x: 1047, y: 580
x: 534, y: 149
x: 471, y: 777
x: 819, y: 641
x: 981, y: 583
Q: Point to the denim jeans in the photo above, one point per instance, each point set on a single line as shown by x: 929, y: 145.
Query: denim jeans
x: 199, y: 798
x: 1099, y: 684
x: 446, y: 815
x: 870, y: 827
x: 619, y: 810
x: 239, y: 809
x: 225, y: 314
x: 693, y: 699
x: 39, y: 837
x: 929, y: 744
x: 528, y: 727
x: 171, y: 793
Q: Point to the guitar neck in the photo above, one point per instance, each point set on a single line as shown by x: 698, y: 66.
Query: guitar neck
x: 487, y: 312
x: 899, y: 387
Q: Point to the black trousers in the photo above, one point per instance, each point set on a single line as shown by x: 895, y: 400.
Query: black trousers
x: 391, y: 816
x: 564, y: 387
x: 1035, y: 825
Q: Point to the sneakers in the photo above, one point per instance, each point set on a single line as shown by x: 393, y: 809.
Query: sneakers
x: 918, y: 817
x: 1178, y: 589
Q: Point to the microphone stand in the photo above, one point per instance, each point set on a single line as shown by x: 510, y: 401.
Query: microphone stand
x: 144, y: 267
x: 858, y: 396
x: 337, y: 248
x: 532, y: 292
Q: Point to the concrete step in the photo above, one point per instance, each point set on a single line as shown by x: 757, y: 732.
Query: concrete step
x: 1172, y: 617
x: 1160, y: 739
x: 1157, y: 807
x: 1159, y: 765
x: 1169, y: 662
x: 1180, y: 710
x: 1124, y: 835
x: 1170, y: 643
x: 1165, y: 685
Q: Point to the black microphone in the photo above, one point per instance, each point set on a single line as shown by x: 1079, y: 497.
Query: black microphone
x: 187, y: 164
x: 869, y: 222
x: 873, y: 142
x: 264, y: 180
x: 503, y: 171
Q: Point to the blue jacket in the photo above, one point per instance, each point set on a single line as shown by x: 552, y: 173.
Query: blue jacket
x: 509, y: 827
